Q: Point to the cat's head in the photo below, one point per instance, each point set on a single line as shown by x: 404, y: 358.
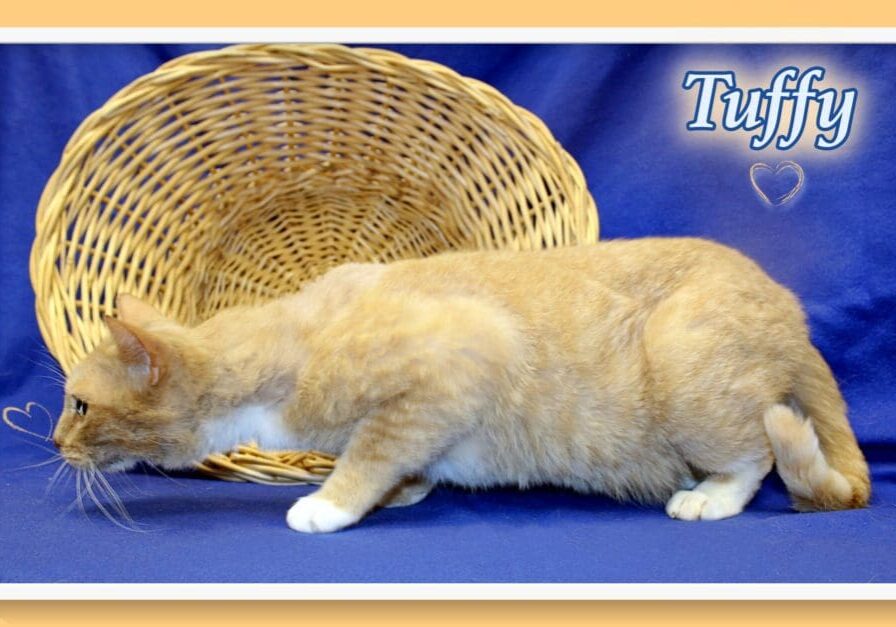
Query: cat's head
x: 133, y: 397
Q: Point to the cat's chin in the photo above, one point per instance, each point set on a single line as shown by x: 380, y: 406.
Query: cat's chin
x: 176, y: 464
x: 120, y: 466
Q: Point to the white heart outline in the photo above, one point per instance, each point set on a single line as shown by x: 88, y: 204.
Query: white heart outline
x: 783, y: 165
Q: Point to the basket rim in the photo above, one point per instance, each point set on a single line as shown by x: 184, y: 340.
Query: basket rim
x: 192, y: 64
x: 50, y: 230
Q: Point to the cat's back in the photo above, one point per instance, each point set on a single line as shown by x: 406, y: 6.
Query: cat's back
x: 576, y: 285
x: 645, y: 268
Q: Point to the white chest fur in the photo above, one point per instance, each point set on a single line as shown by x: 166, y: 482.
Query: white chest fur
x: 262, y: 424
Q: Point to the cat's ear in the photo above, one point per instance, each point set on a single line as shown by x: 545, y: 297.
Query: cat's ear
x: 134, y: 311
x: 139, y: 350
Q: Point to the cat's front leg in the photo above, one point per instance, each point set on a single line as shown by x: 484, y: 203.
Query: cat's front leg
x: 409, y: 492
x: 395, y: 443
x: 315, y: 514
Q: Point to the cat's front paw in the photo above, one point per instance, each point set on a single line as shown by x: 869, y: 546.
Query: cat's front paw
x: 314, y: 514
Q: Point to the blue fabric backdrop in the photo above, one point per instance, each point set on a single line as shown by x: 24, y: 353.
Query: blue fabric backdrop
x: 620, y: 111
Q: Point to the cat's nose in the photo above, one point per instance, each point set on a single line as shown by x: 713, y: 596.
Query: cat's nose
x: 56, y: 441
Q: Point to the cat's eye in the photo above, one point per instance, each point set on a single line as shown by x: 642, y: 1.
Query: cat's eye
x: 80, y: 407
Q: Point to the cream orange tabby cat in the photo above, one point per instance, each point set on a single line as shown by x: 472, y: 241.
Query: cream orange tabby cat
x: 662, y: 370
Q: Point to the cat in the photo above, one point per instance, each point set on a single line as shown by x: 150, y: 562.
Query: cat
x: 662, y: 370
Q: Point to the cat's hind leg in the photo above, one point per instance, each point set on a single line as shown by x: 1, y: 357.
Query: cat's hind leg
x: 720, y: 495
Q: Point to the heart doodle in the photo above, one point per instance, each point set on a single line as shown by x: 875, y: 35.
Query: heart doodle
x: 7, y: 412
x: 778, y: 185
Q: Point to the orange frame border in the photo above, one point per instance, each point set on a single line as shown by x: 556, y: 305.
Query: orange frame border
x: 416, y: 13
x: 447, y: 613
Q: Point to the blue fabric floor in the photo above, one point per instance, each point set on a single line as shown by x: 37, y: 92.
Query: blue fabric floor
x: 195, y: 529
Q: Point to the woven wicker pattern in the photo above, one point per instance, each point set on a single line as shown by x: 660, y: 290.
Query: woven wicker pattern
x: 236, y: 175
x: 248, y: 463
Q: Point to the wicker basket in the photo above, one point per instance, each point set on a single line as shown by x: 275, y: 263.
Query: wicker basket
x: 236, y: 175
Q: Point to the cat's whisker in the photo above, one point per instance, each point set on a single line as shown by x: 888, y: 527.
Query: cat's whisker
x: 165, y: 474
x: 79, y: 481
x: 88, y: 487
x: 58, y: 374
x: 105, y: 511
x: 47, y: 462
x: 132, y: 487
x: 46, y: 449
x: 120, y: 506
x: 70, y: 507
x: 53, y: 379
x: 103, y: 485
x: 47, y: 365
x: 69, y: 474
x: 55, y: 375
x: 56, y: 370
x: 61, y: 471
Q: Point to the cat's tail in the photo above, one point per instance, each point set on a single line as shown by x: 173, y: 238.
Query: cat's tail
x: 815, y: 450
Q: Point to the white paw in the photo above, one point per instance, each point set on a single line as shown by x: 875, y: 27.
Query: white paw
x: 313, y: 514
x: 695, y: 505
x: 687, y: 505
x: 722, y: 506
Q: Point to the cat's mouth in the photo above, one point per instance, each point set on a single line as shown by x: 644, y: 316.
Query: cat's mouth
x: 77, y: 460
x: 112, y: 464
